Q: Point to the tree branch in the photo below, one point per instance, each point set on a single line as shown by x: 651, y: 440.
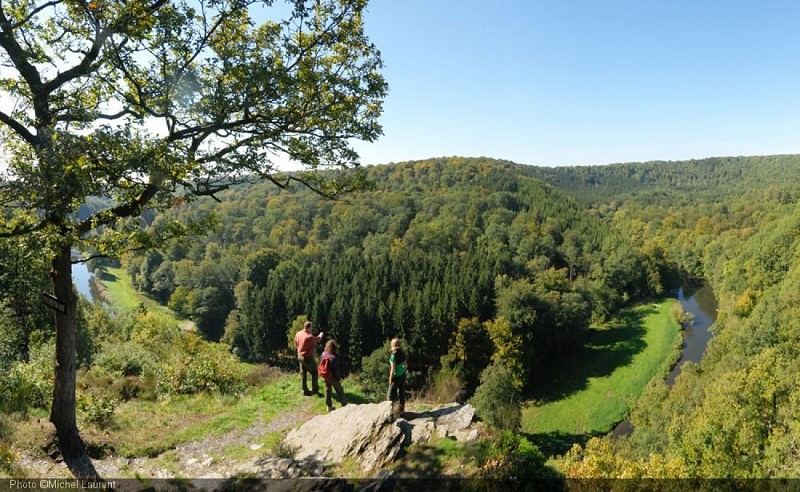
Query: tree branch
x: 128, y: 209
x: 21, y: 231
x: 34, y: 12
x: 18, y: 55
x: 19, y: 129
x: 88, y: 118
x: 101, y: 36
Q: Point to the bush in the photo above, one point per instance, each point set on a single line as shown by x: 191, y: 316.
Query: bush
x: 497, y: 399
x: 445, y: 386
x: 262, y: 375
x: 124, y: 359
x: 374, y: 376
x: 155, y: 332
x: 8, y: 460
x: 29, y: 384
x: 96, y: 409
x: 513, y: 457
x: 11, y: 338
x: 131, y: 387
x: 199, y: 366
x: 682, y: 317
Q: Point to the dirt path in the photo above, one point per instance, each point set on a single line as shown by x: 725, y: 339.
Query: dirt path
x: 197, y: 459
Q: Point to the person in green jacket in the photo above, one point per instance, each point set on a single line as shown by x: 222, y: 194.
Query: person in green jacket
x: 397, y: 378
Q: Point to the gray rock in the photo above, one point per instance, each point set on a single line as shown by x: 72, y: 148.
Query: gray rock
x: 272, y: 468
x: 422, y: 430
x: 454, y: 417
x: 467, y: 435
x: 366, y: 434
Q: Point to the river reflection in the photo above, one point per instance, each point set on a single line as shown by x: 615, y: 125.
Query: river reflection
x: 81, y: 277
x: 702, y: 305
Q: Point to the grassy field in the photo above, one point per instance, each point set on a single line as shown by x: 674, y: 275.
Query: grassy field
x: 123, y: 297
x: 591, y: 390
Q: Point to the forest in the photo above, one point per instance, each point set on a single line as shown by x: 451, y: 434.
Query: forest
x: 433, y: 244
x: 475, y: 263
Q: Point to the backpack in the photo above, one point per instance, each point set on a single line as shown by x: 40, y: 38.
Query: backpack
x: 325, y: 370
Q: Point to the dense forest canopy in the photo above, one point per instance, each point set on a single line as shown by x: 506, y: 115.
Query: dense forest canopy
x: 433, y: 243
x: 474, y: 260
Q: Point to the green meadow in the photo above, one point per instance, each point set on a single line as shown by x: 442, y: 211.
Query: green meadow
x: 590, y: 390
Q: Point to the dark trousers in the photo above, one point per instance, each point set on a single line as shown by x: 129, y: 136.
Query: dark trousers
x: 397, y: 390
x: 337, y: 385
x: 309, y: 365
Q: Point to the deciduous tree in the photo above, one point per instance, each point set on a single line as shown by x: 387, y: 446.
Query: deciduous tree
x: 151, y: 102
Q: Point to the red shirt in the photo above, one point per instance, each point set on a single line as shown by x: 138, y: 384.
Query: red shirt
x: 305, y: 343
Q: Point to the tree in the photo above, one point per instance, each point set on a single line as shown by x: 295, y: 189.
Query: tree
x: 498, y: 397
x: 150, y: 103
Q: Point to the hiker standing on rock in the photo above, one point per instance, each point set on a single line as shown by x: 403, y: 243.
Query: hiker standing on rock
x: 331, y: 372
x: 397, y: 378
x: 306, y: 343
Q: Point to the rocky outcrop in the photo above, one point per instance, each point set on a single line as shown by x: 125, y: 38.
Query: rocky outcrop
x: 453, y: 421
x: 368, y: 435
x: 364, y: 432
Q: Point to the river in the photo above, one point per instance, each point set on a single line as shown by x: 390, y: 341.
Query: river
x: 701, y: 303
x: 81, y: 277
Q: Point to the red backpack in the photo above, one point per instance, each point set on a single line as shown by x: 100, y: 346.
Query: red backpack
x: 325, y: 370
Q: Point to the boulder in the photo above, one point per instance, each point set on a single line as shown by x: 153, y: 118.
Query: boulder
x: 364, y: 432
x: 368, y: 435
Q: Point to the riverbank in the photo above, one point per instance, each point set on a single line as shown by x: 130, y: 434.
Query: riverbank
x: 594, y: 388
x: 119, y: 293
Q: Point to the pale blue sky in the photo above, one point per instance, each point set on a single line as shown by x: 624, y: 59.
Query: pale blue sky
x: 586, y: 82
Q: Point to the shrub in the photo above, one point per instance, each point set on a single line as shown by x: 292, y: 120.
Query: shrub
x: 513, y: 457
x: 680, y: 315
x: 11, y: 338
x: 446, y: 386
x: 124, y: 359
x: 155, y: 332
x: 199, y: 366
x: 96, y: 409
x: 497, y: 399
x: 8, y: 460
x: 131, y: 387
x: 261, y: 375
x: 29, y: 384
x: 374, y: 376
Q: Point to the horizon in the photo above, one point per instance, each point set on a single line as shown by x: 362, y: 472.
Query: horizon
x: 649, y: 161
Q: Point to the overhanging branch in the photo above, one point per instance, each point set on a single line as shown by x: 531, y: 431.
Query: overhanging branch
x: 19, y: 129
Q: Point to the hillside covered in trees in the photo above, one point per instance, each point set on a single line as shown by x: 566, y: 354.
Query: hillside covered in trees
x: 475, y: 261
x: 432, y: 245
x: 440, y: 241
x: 734, y: 221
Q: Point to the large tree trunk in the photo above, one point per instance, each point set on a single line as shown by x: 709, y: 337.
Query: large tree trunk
x: 62, y: 413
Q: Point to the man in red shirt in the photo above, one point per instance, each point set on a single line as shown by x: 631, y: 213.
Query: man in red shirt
x: 306, y: 344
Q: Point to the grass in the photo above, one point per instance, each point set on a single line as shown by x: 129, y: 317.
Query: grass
x: 147, y: 428
x: 124, y: 297
x: 440, y: 457
x: 590, y: 391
